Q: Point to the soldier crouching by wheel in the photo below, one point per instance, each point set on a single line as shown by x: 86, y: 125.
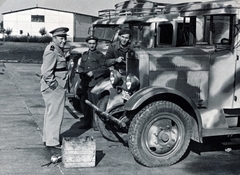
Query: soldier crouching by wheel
x: 53, y: 86
x: 91, y: 70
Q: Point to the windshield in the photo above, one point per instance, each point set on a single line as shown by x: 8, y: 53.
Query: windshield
x: 141, y: 34
x: 106, y: 33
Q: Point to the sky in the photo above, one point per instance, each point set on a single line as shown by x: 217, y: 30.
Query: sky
x: 90, y: 7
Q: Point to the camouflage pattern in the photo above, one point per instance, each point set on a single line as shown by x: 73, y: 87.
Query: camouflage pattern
x: 186, y: 59
x: 203, y: 74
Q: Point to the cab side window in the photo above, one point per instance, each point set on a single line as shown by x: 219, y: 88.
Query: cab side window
x: 218, y: 29
x: 182, y: 34
x: 165, y: 34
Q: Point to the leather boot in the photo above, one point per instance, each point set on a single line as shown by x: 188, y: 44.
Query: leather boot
x: 85, y: 123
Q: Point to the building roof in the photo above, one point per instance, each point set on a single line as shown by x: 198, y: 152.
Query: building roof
x: 88, y: 7
x: 37, y: 7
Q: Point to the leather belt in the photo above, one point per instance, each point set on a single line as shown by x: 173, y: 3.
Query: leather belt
x: 61, y: 69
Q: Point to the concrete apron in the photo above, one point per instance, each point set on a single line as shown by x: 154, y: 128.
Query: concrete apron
x: 22, y: 111
x: 22, y: 151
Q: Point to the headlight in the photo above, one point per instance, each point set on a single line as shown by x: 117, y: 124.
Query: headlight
x: 132, y: 82
x: 115, y: 78
x: 71, y: 63
x: 79, y: 61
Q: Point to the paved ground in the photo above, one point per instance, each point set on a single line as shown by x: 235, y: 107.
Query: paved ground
x: 22, y: 150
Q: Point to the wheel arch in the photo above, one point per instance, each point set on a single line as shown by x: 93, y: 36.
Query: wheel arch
x: 150, y: 94
x: 101, y: 89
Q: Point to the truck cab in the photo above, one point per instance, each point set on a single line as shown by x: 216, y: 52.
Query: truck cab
x: 106, y: 28
x: 182, y: 80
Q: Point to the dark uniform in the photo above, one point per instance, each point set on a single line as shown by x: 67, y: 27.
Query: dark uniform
x: 53, y: 88
x: 91, y: 61
x: 115, y: 50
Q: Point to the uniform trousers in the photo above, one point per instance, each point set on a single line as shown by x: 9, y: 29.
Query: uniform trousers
x: 54, y: 112
x: 87, y: 111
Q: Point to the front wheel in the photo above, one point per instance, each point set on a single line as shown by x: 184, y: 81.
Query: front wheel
x: 159, y: 134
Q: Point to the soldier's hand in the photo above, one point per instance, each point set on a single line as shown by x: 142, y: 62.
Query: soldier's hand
x: 90, y: 73
x: 119, y: 59
x: 53, y: 85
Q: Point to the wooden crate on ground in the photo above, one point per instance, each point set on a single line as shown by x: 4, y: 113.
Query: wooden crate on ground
x: 78, y: 152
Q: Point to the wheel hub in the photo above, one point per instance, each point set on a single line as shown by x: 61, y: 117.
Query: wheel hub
x: 162, y: 136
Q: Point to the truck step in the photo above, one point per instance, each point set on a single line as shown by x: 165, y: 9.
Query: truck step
x: 220, y: 131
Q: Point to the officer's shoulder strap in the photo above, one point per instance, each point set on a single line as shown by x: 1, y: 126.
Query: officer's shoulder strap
x: 52, y: 48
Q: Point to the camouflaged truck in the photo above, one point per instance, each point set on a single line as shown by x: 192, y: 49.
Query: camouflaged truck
x: 182, y: 82
x: 106, y: 29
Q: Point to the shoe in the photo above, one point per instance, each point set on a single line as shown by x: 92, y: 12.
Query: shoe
x: 85, y: 124
x: 55, y: 147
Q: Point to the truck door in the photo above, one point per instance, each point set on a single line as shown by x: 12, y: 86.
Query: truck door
x: 218, y: 31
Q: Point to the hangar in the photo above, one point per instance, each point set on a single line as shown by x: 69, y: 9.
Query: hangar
x: 31, y: 20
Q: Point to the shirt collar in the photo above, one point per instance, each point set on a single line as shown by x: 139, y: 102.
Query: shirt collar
x: 90, y: 52
x: 119, y: 46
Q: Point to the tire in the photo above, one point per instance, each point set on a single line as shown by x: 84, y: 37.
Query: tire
x: 108, y: 129
x: 159, y: 134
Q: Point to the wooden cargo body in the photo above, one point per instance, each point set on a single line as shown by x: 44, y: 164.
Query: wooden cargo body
x: 78, y: 152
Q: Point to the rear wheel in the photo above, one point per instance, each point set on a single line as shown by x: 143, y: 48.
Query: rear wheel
x: 159, y: 134
x: 109, y: 129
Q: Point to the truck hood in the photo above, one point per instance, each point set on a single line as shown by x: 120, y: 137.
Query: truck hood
x: 174, y: 58
x: 177, y: 51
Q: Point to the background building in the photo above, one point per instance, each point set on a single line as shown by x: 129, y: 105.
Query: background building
x: 31, y: 20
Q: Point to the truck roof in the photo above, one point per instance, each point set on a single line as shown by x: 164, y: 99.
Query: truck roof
x: 129, y: 8
x: 211, y: 7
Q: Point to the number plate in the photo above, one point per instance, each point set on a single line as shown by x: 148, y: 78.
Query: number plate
x: 125, y: 95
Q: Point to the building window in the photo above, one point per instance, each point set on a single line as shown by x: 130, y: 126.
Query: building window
x: 37, y: 18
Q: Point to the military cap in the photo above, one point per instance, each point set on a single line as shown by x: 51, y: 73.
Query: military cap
x: 125, y: 31
x: 91, y: 38
x: 61, y: 31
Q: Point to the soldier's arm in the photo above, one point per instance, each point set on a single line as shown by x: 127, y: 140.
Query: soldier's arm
x: 110, y: 59
x: 49, y: 64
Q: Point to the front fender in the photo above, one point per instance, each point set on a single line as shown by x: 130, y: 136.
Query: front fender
x: 146, y: 93
x: 102, y: 86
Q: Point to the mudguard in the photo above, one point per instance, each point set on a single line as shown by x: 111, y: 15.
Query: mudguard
x: 148, y: 92
x: 105, y: 88
x: 102, y: 86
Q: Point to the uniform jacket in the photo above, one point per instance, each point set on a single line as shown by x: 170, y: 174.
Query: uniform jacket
x: 113, y: 52
x: 54, y: 67
x: 92, y: 61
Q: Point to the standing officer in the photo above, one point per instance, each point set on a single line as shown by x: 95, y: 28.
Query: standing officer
x: 116, y: 53
x: 53, y: 86
x: 92, y: 70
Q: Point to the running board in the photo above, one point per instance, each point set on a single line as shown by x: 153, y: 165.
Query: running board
x: 220, y: 131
